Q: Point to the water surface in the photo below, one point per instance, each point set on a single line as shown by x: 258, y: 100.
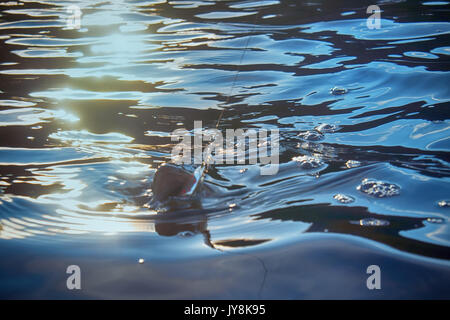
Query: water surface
x: 86, y: 117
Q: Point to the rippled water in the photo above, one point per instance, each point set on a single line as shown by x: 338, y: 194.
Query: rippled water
x: 86, y: 117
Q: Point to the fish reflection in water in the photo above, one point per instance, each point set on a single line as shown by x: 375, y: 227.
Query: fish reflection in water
x: 169, y: 187
x: 177, y: 193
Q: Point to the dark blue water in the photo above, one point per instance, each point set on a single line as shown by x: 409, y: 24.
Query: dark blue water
x: 86, y: 116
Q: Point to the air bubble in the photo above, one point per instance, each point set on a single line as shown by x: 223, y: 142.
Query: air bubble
x: 337, y: 91
x: 435, y: 220
x: 342, y: 198
x: 352, y: 164
x: 378, y: 189
x: 444, y: 203
x: 185, y: 234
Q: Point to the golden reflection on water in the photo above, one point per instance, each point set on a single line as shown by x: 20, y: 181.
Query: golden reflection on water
x: 75, y: 204
x: 73, y: 220
x: 78, y: 210
x: 67, y: 222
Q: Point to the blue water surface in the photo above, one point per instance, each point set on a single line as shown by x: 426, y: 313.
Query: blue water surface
x: 87, y: 112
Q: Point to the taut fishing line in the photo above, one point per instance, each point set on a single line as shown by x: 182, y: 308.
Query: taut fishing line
x: 200, y: 172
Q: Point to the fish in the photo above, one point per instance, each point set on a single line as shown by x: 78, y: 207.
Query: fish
x: 171, y: 180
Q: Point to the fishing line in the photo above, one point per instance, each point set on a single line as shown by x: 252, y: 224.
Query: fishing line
x: 200, y: 172
x: 236, y: 75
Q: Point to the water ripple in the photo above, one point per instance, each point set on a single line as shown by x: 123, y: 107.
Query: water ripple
x: 87, y: 115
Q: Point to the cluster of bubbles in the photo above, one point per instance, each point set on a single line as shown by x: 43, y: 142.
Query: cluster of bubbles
x: 311, y: 136
x: 317, y: 134
x: 435, y: 220
x: 342, y: 198
x: 371, y: 222
x: 372, y: 187
x: 379, y: 189
x: 308, y: 162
